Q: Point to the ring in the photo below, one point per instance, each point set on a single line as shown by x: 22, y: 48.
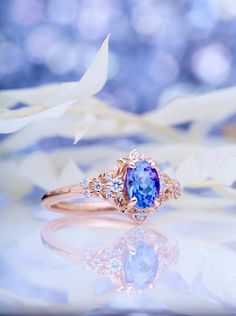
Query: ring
x: 134, y: 262
x: 135, y: 186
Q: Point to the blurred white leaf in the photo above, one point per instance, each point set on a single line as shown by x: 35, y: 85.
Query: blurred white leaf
x: 82, y: 127
x: 70, y: 174
x: 183, y: 171
x: 47, y: 173
x: 53, y: 100
x: 220, y: 166
x: 69, y: 125
x: 11, y: 121
x: 209, y: 107
x: 40, y: 171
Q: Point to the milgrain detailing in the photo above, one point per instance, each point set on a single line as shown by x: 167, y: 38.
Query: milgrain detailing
x: 135, y: 186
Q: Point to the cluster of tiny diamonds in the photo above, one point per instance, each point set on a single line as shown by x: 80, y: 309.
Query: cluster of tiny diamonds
x: 110, y: 261
x: 169, y: 188
x: 104, y: 262
x: 110, y: 186
x: 106, y: 186
x: 85, y: 187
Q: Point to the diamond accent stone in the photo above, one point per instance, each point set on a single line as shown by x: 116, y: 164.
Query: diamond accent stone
x: 114, y: 265
x: 163, y: 184
x: 85, y: 182
x: 108, y: 193
x: 140, y: 216
x: 96, y: 262
x: 108, y: 176
x: 97, y: 186
x: 139, y: 233
x: 135, y: 154
x: 86, y: 192
x: 116, y: 185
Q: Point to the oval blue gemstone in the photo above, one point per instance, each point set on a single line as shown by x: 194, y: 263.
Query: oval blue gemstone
x: 140, y: 269
x: 143, y: 183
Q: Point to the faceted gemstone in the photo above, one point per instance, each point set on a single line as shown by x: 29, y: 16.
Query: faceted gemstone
x: 140, y: 216
x: 140, y: 269
x: 114, y: 265
x: 143, y: 183
x: 97, y: 186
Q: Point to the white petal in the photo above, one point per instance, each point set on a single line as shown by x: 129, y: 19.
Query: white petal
x: 56, y: 98
x: 206, y: 108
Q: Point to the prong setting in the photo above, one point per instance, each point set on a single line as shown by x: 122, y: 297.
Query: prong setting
x: 132, y: 202
x: 130, y: 205
x: 112, y: 186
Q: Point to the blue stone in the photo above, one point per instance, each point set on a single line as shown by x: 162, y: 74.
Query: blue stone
x: 140, y: 269
x: 143, y: 183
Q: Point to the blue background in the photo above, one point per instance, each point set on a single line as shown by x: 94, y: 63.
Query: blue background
x: 158, y: 49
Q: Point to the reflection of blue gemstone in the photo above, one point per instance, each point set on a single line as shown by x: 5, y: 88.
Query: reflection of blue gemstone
x: 143, y: 183
x: 140, y: 269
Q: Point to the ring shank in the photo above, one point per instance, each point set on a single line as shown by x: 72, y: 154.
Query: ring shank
x: 59, y: 200
x: 56, y: 200
x: 50, y: 239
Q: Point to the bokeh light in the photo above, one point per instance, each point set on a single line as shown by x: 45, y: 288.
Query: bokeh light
x: 211, y: 64
x: 157, y: 48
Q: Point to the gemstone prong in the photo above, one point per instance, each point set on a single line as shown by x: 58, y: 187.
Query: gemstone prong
x: 131, y: 249
x: 130, y: 164
x: 133, y: 201
x: 135, y: 186
x: 157, y: 203
x: 153, y: 163
x: 123, y: 161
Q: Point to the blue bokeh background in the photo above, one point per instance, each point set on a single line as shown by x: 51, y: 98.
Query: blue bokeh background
x: 158, y: 50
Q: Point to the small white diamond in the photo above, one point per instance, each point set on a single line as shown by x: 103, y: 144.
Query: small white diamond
x: 85, y: 182
x: 163, y: 184
x: 108, y: 193
x: 139, y: 233
x: 97, y: 186
x: 108, y: 176
x: 107, y: 254
x: 172, y: 187
x: 97, y: 262
x: 116, y: 185
x: 136, y: 154
x: 86, y: 192
x: 114, y: 264
x: 140, y: 216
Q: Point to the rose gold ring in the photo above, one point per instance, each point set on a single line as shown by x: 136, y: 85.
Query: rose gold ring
x: 133, y: 262
x: 135, y: 186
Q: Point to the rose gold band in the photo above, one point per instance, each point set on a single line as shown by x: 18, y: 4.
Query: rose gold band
x: 111, y: 192
x: 48, y: 238
x: 56, y: 201
x: 110, y: 260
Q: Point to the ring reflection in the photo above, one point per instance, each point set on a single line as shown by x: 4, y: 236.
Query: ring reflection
x: 133, y: 262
